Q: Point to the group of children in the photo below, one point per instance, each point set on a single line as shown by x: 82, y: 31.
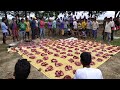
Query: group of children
x: 36, y: 27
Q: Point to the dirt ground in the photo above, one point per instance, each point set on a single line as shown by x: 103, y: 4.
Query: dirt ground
x: 110, y: 69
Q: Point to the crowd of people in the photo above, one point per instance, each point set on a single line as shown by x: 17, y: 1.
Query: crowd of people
x: 67, y: 26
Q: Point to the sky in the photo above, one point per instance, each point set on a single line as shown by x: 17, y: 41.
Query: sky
x: 101, y: 17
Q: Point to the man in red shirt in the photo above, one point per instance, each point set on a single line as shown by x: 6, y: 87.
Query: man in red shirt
x: 42, y: 28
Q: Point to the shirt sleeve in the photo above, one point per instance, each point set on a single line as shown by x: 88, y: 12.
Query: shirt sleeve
x: 5, y: 26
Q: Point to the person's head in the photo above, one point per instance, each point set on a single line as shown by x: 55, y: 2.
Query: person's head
x: 85, y: 59
x: 61, y: 18
x: 31, y: 18
x: 4, y: 19
x: 13, y: 19
x: 22, y: 69
x: 22, y: 20
x: 26, y: 19
x: 110, y: 18
x: 65, y: 15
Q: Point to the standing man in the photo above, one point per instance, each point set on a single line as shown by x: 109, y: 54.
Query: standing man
x: 4, y: 29
x: 33, y: 28
x: 95, y: 26
x: 71, y: 22
x: 54, y: 27
x: 108, y: 27
x: 22, y: 31
x: 42, y: 28
x: 37, y: 30
x: 89, y: 27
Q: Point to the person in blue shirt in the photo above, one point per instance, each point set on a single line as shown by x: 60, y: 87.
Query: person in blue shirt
x: 4, y: 29
x: 33, y: 28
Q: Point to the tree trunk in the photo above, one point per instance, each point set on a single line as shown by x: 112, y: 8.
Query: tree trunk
x: 116, y: 12
x: 25, y: 14
x: 35, y: 13
x: 5, y: 12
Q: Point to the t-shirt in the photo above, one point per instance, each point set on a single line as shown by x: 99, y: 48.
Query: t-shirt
x: 58, y: 24
x: 49, y: 24
x: 28, y: 26
x: 84, y: 25
x: 62, y: 25
x: 89, y: 24
x: 108, y: 27
x: 36, y: 23
x: 4, y: 27
x: 95, y: 25
x: 42, y: 24
x: 23, y: 26
x: 33, y: 24
x: 65, y: 24
x: 54, y: 24
x: 79, y: 26
x: 88, y: 73
x: 75, y: 24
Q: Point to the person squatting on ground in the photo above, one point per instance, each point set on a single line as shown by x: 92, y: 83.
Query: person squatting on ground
x: 87, y: 72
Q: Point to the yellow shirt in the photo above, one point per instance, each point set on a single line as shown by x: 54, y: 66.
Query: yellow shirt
x: 84, y: 25
x: 79, y: 26
x: 28, y: 26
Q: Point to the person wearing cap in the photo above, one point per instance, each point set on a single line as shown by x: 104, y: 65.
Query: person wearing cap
x: 87, y: 72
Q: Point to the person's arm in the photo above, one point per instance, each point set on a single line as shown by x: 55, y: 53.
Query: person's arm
x: 5, y: 26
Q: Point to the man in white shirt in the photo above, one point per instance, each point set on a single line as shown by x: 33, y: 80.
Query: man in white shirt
x: 37, y: 30
x: 95, y: 27
x: 108, y: 30
x: 87, y: 72
x: 75, y: 27
x: 4, y: 29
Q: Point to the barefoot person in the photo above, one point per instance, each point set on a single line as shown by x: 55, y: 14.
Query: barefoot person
x: 27, y: 29
x: 22, y: 31
x: 4, y: 29
x: 14, y: 29
x: 87, y: 72
x: 42, y: 28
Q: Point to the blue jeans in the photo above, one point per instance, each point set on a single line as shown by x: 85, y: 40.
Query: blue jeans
x: 42, y: 32
x: 94, y: 33
x: 22, y: 35
x: 108, y: 35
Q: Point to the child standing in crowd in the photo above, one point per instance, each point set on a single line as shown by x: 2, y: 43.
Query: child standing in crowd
x: 27, y: 29
x: 22, y: 31
x: 4, y: 29
x: 42, y: 28
x: 95, y: 26
x: 54, y: 27
x: 14, y: 29
x: 49, y: 27
x: 108, y: 27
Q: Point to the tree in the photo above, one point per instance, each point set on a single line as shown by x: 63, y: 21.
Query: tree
x: 95, y: 13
